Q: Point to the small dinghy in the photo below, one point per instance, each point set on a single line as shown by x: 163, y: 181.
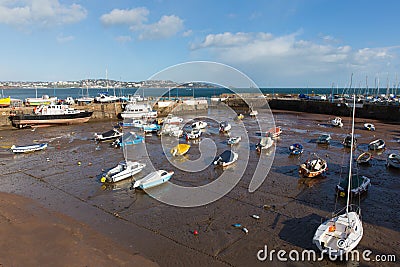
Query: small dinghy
x: 337, y: 122
x: 377, y: 145
x: 131, y: 123
x: 393, y: 160
x: 253, y: 113
x: 153, y: 179
x: 265, y: 143
x: 123, y: 170
x: 234, y: 140
x: 171, y: 119
x: 194, y: 134
x: 180, y: 150
x: 364, y: 158
x: 29, y: 148
x: 347, y: 142
x: 107, y: 136
x: 296, y: 149
x: 274, y: 132
x: 324, y: 139
x: 359, y: 185
x: 313, y: 167
x: 224, y: 126
x: 151, y: 128
x: 199, y: 125
x: 129, y: 138
x: 226, y: 158
x: 369, y: 126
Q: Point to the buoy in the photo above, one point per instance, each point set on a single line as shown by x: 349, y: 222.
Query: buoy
x: 195, y: 232
x: 103, y: 179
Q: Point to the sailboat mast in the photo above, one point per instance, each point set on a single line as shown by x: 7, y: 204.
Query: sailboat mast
x: 351, y: 150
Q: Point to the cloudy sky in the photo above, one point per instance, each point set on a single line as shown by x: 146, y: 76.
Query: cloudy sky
x: 277, y: 43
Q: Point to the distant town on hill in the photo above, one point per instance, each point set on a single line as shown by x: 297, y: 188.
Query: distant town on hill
x: 101, y: 83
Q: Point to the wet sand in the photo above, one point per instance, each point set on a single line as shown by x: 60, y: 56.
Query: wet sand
x: 290, y: 208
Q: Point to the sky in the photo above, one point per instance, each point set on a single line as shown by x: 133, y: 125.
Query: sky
x: 276, y: 43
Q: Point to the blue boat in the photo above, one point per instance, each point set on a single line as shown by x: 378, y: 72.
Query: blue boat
x: 296, y: 149
x: 148, y: 128
x: 129, y: 138
x: 153, y: 179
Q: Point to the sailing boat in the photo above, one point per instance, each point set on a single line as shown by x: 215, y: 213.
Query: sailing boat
x: 342, y: 233
x: 85, y: 98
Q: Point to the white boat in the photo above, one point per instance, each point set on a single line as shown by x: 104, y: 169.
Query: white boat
x: 342, y: 233
x: 104, y: 97
x: 109, y: 135
x: 254, y: 113
x: 265, y: 143
x: 369, y: 126
x: 313, y: 167
x: 337, y: 122
x: 234, y: 140
x: 153, y: 179
x: 132, y: 123
x: 123, y: 170
x: 226, y: 158
x: 170, y: 119
x: 377, y: 145
x: 26, y: 149
x: 324, y: 139
x: 194, y: 134
x: 138, y: 111
x: 86, y: 99
x: 393, y: 160
x: 167, y: 129
x: 224, y: 126
x: 44, y: 100
x: 199, y: 125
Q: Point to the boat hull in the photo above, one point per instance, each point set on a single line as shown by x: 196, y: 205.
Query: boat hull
x: 25, y: 120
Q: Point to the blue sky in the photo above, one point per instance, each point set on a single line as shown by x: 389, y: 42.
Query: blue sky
x: 282, y: 43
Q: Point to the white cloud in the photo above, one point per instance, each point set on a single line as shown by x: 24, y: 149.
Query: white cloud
x: 289, y: 58
x: 123, y: 38
x: 132, y: 17
x: 41, y: 12
x: 166, y: 27
x: 64, y: 39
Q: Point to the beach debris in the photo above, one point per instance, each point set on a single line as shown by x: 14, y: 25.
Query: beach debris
x: 244, y: 229
x: 237, y: 225
x: 195, y: 232
x: 90, y: 164
x: 116, y: 214
x: 269, y: 207
x: 255, y: 216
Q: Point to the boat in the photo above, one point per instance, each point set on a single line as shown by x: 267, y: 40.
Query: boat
x: 194, y: 134
x: 138, y: 111
x: 104, y: 97
x: 359, y: 185
x: 364, y: 158
x: 313, y: 167
x: 224, y: 126
x: 324, y: 139
x: 153, y: 179
x: 171, y: 119
x: 85, y: 99
x: 199, y: 125
x: 123, y: 170
x: 265, y: 143
x: 44, y: 100
x: 337, y: 122
x: 152, y: 127
x: 296, y: 149
x: 253, y: 113
x: 340, y: 234
x: 107, y: 136
x: 274, y: 132
x: 226, y: 158
x: 29, y: 148
x: 377, y: 145
x: 5, y: 101
x: 47, y: 115
x: 369, y: 126
x: 240, y: 117
x: 234, y: 140
x: 393, y: 160
x: 180, y: 149
x: 131, y: 123
x: 347, y: 142
x: 129, y: 138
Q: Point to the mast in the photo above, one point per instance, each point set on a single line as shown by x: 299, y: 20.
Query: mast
x: 351, y: 149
